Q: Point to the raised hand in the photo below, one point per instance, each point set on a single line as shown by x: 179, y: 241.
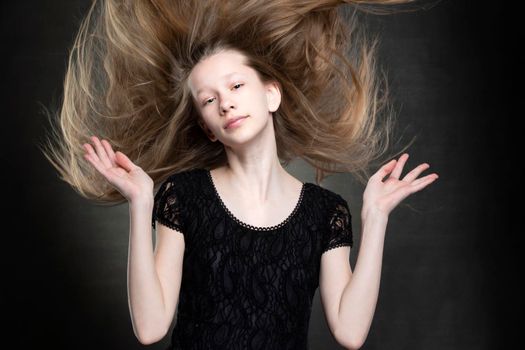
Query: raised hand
x: 129, y: 179
x: 383, y: 196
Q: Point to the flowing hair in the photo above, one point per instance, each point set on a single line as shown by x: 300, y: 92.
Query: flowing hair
x: 126, y: 82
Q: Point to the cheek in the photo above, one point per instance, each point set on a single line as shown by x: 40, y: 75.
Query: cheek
x: 203, y: 121
x: 208, y: 124
x: 258, y: 102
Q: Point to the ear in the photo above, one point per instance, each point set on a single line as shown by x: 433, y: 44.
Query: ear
x: 273, y: 95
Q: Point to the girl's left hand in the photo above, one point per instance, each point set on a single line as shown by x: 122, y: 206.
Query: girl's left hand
x: 383, y: 196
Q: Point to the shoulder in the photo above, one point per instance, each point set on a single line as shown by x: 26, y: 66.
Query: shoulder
x: 181, y: 181
x: 324, y: 195
x: 185, y: 174
x: 323, y: 202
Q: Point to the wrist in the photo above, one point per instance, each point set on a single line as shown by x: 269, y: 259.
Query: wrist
x: 373, y: 213
x: 142, y: 202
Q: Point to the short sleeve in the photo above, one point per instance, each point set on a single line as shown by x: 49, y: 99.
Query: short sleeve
x: 339, y: 231
x: 167, y: 208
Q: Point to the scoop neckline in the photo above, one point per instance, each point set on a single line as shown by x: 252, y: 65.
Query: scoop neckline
x: 252, y: 227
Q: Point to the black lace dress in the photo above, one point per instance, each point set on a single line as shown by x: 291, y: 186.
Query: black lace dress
x: 246, y: 287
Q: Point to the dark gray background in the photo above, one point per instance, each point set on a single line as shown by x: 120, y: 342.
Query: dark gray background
x: 448, y: 259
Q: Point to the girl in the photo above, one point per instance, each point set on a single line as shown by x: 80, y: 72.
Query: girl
x: 207, y: 101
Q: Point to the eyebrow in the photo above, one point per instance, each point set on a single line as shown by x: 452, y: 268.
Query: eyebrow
x: 224, y: 77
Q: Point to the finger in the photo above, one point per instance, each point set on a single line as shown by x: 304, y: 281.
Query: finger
x: 109, y: 151
x: 96, y: 163
x: 385, y: 170
x: 101, y: 152
x: 124, y: 161
x: 421, y: 183
x: 415, y: 172
x: 93, y: 155
x: 399, y: 166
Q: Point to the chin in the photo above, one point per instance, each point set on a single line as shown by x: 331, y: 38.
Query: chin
x: 243, y: 137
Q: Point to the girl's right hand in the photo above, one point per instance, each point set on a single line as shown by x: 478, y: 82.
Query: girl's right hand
x: 129, y: 179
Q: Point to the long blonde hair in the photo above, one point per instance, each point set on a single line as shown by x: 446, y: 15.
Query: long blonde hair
x: 126, y: 82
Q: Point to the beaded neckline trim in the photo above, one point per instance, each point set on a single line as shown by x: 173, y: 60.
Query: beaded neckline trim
x: 257, y: 228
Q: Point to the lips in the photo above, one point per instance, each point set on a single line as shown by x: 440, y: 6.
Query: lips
x: 233, y: 120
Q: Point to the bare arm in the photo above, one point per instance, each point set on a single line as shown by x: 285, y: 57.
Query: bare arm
x: 154, y: 277
x: 359, y: 298
x: 351, y: 315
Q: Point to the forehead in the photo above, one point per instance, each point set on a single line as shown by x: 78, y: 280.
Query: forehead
x: 217, y: 69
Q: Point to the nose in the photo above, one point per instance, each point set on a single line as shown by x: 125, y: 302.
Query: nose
x: 226, y: 105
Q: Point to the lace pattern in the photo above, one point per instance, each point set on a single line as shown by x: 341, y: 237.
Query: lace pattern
x: 240, y: 289
x: 167, y: 209
x: 340, y: 227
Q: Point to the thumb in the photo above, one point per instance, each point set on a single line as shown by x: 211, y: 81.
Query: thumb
x: 124, y: 161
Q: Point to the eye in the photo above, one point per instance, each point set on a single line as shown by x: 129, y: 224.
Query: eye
x: 236, y: 87
x: 206, y: 102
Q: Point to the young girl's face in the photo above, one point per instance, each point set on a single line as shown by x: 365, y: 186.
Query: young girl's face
x: 223, y: 89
